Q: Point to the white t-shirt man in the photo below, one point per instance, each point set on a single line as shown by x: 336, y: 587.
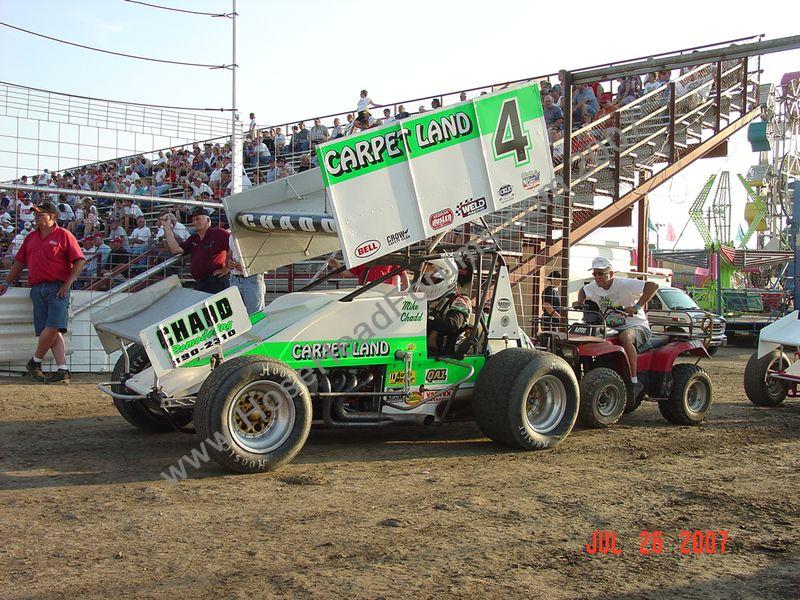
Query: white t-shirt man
x: 133, y: 211
x: 623, y: 292
x: 26, y: 211
x: 179, y: 229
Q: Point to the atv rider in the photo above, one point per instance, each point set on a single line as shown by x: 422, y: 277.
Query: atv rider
x: 443, y: 283
x: 629, y: 296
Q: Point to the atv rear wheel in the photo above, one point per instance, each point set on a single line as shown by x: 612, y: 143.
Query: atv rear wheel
x: 140, y: 413
x: 253, y: 414
x: 760, y: 388
x: 526, y: 399
x: 603, y: 398
x: 690, y: 398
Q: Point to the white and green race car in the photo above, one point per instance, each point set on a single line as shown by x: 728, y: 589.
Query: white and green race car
x: 339, y: 359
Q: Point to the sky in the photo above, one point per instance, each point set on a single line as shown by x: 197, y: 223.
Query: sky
x: 302, y: 58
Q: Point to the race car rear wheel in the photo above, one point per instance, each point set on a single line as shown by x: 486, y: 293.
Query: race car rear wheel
x: 690, y: 399
x: 140, y: 413
x: 761, y: 389
x: 253, y: 414
x: 526, y: 399
x: 603, y: 398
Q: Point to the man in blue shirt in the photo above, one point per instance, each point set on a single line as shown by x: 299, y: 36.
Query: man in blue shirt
x: 583, y: 102
x: 553, y: 115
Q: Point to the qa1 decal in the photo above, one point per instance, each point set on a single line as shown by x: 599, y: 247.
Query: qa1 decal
x: 435, y: 375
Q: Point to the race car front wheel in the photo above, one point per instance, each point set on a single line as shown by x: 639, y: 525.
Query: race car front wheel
x: 253, y: 414
x: 526, y: 399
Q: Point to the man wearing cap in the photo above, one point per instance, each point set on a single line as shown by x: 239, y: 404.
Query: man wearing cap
x: 628, y: 295
x: 54, y: 260
x: 208, y: 249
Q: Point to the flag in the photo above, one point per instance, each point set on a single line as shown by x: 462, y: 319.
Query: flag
x: 740, y: 234
x: 670, y: 233
x: 650, y: 226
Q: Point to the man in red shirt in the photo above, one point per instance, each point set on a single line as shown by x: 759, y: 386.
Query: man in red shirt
x: 208, y: 249
x: 54, y: 260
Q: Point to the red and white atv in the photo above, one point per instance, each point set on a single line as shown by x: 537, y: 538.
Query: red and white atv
x: 683, y: 391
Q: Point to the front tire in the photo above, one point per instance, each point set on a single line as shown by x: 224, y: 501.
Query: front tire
x: 603, y: 398
x: 526, y: 399
x: 690, y: 398
x: 254, y: 413
x: 761, y: 390
x: 140, y: 413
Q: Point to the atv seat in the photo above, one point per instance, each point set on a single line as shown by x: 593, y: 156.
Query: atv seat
x: 655, y: 341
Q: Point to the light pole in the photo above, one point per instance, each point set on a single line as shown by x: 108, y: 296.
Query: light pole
x: 236, y: 133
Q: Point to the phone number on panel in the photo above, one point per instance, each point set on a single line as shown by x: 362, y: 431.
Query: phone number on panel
x: 690, y: 541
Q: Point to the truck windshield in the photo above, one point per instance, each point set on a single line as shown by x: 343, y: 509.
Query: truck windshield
x: 675, y: 299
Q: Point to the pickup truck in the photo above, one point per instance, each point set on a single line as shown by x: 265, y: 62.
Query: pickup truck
x: 673, y: 310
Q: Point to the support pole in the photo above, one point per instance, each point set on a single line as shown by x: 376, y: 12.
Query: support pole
x: 642, y: 240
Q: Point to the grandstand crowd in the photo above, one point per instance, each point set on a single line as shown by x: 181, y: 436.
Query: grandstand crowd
x: 121, y: 237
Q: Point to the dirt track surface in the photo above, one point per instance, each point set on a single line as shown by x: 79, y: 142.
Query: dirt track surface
x: 398, y: 512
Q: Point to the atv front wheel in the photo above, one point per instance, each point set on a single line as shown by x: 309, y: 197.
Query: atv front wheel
x: 140, y: 413
x: 526, y: 399
x: 690, y: 399
x: 761, y: 389
x: 603, y: 398
x: 253, y: 414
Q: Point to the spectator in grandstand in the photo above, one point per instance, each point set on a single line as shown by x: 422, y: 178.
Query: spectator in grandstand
x: 251, y: 132
x: 130, y: 213
x: 319, y: 133
x: 101, y: 249
x: 606, y: 108
x: 6, y: 229
x: 664, y: 76
x: 280, y: 141
x: 555, y: 94
x: 462, y: 97
x: 284, y: 168
x: 626, y: 91
x: 131, y: 175
x: 269, y: 140
x: 65, y: 214
x: 25, y: 212
x: 208, y: 249
x: 261, y: 153
x: 161, y: 160
x: 583, y: 102
x: 421, y: 109
x: 401, y: 112
x: 305, y: 163
x: 118, y: 258
x: 436, y: 104
x: 54, y: 260
x: 387, y: 117
x: 89, y: 270
x: 199, y: 186
x: 140, y: 237
x: 114, y: 230
x: 272, y: 171
x: 178, y: 229
x: 553, y: 115
x: 301, y: 141
x: 337, y: 131
x: 365, y: 102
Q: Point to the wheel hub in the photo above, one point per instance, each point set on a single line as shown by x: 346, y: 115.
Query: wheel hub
x: 546, y: 404
x: 261, y: 416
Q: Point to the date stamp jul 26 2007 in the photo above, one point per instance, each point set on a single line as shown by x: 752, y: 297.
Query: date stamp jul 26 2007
x: 605, y: 542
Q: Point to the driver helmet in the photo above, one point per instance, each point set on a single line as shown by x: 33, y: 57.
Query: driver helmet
x: 438, y: 279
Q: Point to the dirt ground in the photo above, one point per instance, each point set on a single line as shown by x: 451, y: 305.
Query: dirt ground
x: 398, y: 512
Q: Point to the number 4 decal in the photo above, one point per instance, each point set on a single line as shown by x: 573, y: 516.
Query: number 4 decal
x: 510, y: 136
